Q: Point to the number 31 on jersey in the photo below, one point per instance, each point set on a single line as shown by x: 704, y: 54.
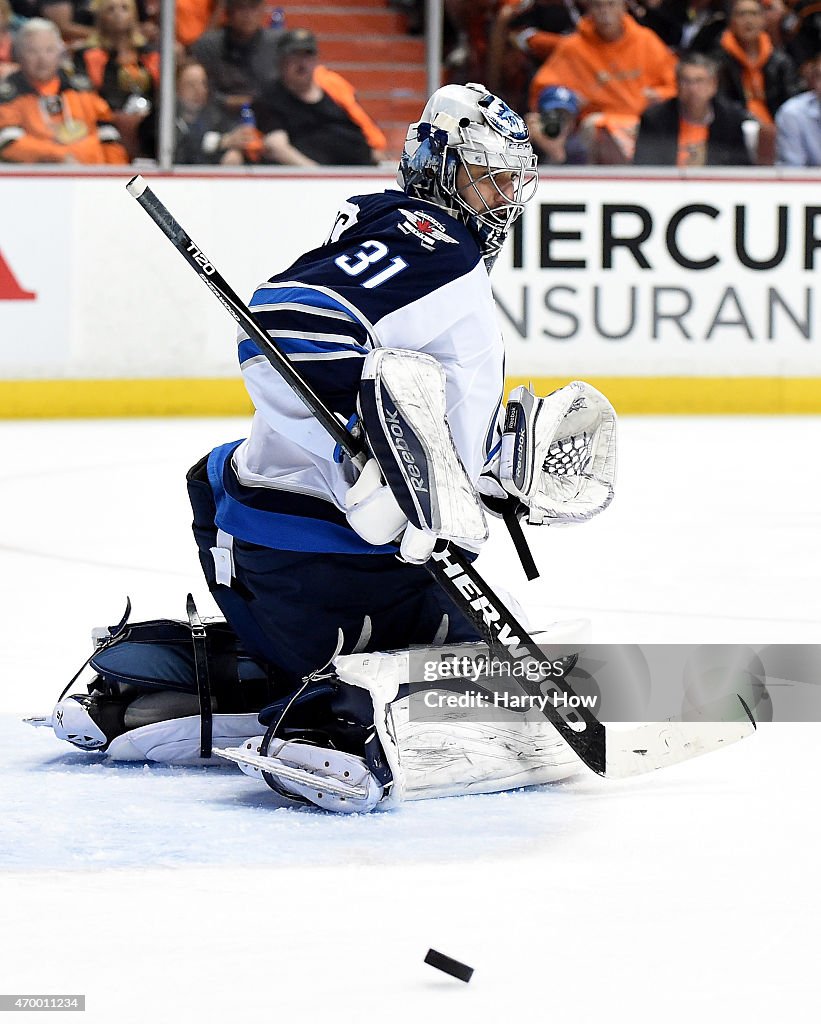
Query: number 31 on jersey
x: 367, y: 256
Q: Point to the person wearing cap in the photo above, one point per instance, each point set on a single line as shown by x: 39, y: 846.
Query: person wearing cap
x: 552, y: 127
x: 310, y: 116
x: 240, y: 59
x: 697, y: 128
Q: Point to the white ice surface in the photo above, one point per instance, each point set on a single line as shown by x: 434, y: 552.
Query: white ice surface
x: 177, y: 895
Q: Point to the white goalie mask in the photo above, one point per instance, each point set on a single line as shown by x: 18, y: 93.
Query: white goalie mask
x: 465, y: 128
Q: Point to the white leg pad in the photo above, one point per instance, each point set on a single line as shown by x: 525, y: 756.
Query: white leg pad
x: 454, y: 757
x: 177, y: 740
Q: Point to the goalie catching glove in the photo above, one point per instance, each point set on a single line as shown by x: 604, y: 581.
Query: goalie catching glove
x: 415, y: 489
x: 557, y: 456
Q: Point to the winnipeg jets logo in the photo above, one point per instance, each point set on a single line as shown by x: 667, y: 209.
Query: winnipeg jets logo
x: 500, y: 116
x: 425, y: 228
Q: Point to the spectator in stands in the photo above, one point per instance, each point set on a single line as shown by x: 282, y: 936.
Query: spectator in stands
x: 241, y: 58
x: 696, y: 25
x: 26, y: 9
x: 206, y: 134
x: 798, y: 124
x: 552, y: 128
x: 125, y: 70
x: 523, y: 35
x: 469, y: 22
x: 414, y: 13
x: 8, y: 23
x: 776, y: 21
x: 696, y: 128
x: 149, y: 14
x: 617, y: 68
x: 537, y: 25
x: 310, y: 116
x: 74, y: 18
x: 751, y: 70
x: 194, y: 17
x: 48, y: 116
x: 472, y: 29
x: 805, y: 35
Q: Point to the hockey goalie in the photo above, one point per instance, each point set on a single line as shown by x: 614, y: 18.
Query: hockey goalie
x: 318, y: 560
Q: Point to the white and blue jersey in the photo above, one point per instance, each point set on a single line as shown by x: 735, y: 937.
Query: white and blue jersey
x: 395, y: 272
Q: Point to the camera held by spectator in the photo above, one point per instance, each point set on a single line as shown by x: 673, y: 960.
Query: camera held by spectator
x: 559, y: 108
x: 552, y: 127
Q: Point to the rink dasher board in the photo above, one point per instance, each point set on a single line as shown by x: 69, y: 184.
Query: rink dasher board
x: 671, y: 295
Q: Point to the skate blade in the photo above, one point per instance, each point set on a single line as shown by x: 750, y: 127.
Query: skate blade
x: 39, y: 721
x: 240, y: 756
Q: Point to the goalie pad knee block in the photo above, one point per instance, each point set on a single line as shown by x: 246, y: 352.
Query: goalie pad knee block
x: 403, y: 407
x: 157, y: 685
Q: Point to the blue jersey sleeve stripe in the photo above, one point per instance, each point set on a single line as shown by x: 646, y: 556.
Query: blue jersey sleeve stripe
x: 301, y: 307
x: 291, y: 346
x: 313, y: 357
x: 285, y: 322
x: 294, y: 292
x: 320, y: 338
x: 247, y: 350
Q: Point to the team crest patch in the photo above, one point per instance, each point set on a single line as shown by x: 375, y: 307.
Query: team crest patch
x: 500, y: 116
x: 425, y: 228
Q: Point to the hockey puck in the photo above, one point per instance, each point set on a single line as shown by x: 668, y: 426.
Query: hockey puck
x: 448, y: 965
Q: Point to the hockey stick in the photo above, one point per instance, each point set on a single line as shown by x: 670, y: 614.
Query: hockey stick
x: 643, y: 747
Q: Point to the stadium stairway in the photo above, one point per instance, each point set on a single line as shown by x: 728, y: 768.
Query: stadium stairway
x: 368, y: 43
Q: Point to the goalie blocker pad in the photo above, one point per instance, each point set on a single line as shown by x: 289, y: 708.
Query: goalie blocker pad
x: 403, y: 408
